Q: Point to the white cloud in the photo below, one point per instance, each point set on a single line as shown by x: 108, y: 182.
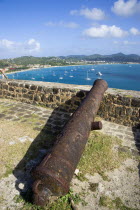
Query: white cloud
x: 62, y: 24
x: 115, y: 42
x: 125, y: 42
x: 134, y: 31
x: 74, y: 12
x: 32, y: 45
x: 105, y: 31
x: 93, y: 14
x: 26, y: 47
x: 50, y: 23
x: 127, y: 8
x: 6, y: 43
x: 69, y: 24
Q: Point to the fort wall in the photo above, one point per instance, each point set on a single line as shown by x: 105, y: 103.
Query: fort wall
x: 119, y: 106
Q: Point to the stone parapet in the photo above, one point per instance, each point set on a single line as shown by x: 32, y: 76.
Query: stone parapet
x: 119, y: 106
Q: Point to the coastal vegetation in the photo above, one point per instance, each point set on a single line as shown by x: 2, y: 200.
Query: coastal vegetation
x: 25, y: 62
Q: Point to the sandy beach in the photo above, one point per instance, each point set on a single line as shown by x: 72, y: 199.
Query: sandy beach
x: 30, y: 69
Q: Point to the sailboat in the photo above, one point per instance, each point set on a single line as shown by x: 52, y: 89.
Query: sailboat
x: 87, y: 78
x: 54, y: 74
x: 60, y: 77
x: 42, y: 76
x: 71, y: 75
x: 99, y: 73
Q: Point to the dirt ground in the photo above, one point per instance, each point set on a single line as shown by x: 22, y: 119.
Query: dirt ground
x: 21, y: 150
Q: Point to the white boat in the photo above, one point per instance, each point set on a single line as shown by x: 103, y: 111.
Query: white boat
x: 87, y: 78
x: 99, y: 73
x: 92, y: 69
x: 71, y: 75
x: 54, y: 74
x: 60, y: 77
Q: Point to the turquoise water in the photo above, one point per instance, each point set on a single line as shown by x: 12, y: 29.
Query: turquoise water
x: 122, y: 76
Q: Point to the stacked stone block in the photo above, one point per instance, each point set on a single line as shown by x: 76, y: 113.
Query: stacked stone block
x: 115, y: 107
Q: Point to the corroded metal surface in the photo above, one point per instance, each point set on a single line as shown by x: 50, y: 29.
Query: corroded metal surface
x: 96, y: 125
x: 53, y: 175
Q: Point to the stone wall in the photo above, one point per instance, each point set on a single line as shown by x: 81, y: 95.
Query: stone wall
x: 118, y: 106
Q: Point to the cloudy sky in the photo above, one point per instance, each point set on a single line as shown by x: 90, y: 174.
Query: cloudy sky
x: 66, y: 27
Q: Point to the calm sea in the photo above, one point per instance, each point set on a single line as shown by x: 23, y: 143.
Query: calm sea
x: 122, y: 76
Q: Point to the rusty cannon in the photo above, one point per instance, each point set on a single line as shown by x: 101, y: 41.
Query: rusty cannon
x: 55, y: 172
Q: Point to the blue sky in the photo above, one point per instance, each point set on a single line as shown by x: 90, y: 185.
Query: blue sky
x: 62, y: 27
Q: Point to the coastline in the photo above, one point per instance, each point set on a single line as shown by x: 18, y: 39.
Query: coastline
x: 12, y: 72
x: 31, y: 69
x: 16, y: 75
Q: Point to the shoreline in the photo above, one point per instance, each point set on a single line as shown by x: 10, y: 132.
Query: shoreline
x: 12, y: 72
x: 31, y: 69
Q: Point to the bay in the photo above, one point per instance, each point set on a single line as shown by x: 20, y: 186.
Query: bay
x: 121, y: 76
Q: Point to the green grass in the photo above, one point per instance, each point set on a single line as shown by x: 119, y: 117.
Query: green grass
x: 93, y: 186
x: 12, y: 155
x: 81, y: 177
x: 99, y: 155
x: 128, y: 96
x: 113, y: 203
x: 3, y: 109
x: 131, y: 170
x: 62, y: 203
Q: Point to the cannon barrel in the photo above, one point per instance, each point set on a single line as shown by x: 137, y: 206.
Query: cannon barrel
x: 55, y: 172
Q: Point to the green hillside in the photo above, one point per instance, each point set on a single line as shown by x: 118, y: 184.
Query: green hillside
x: 66, y: 60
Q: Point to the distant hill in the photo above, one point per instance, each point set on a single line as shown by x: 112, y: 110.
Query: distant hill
x: 119, y: 57
x: 26, y: 60
x: 65, y: 60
